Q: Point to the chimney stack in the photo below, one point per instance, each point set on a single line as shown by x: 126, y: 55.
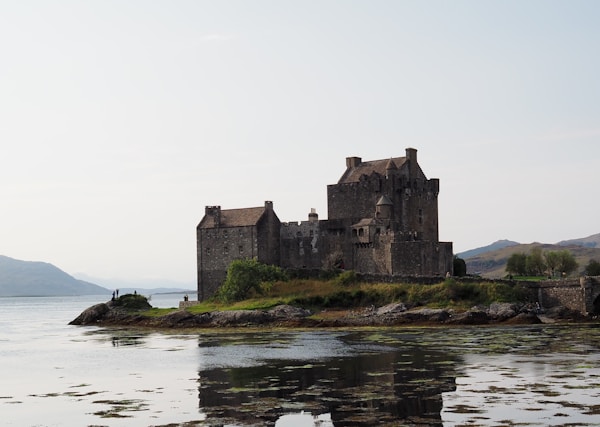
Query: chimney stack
x: 411, y: 156
x: 215, y: 212
x: 352, y: 162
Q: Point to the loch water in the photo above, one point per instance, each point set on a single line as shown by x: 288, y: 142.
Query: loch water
x: 54, y: 374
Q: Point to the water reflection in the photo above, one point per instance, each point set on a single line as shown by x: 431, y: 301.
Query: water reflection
x: 348, y: 381
x: 120, y: 337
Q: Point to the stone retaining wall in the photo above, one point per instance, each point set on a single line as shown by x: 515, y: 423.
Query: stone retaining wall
x: 186, y: 304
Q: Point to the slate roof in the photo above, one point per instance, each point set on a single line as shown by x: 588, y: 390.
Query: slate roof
x: 367, y: 168
x: 385, y: 200
x: 235, y: 218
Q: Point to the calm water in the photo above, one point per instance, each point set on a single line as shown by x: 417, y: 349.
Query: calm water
x: 53, y: 374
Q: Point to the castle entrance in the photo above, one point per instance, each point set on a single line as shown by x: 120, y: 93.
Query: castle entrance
x: 596, y: 306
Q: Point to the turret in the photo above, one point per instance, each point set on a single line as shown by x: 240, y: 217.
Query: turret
x: 384, y: 208
x: 390, y: 168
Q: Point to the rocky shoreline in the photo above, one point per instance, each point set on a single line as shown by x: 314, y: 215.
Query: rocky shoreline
x: 111, y: 314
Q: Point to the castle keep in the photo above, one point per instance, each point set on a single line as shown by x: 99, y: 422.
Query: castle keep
x: 382, y: 219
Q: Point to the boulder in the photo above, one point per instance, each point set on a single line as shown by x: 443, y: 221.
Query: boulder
x: 393, y: 308
x: 524, y: 319
x: 426, y: 315
x: 183, y: 319
x: 501, y: 311
x: 240, y: 317
x: 91, y: 315
x: 285, y: 311
x: 471, y: 317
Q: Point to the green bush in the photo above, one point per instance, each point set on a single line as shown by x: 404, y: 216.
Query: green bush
x: 593, y: 268
x: 132, y: 302
x: 462, y: 291
x: 246, y: 275
x: 346, y: 278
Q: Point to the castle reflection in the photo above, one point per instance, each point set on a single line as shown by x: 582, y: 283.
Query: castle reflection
x: 367, y: 386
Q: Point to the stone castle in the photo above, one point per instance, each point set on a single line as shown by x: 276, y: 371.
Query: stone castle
x: 382, y: 220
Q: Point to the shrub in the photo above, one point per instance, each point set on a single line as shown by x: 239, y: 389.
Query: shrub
x: 246, y: 275
x: 462, y: 291
x: 132, y: 302
x: 593, y: 268
x: 346, y: 278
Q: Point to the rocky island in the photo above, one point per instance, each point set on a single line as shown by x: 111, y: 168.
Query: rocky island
x: 130, y: 310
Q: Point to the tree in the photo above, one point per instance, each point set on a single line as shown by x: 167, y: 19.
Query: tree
x: 592, y: 269
x: 567, y: 263
x: 517, y: 264
x: 552, y: 261
x: 459, y: 266
x: 534, y: 263
x: 245, y: 275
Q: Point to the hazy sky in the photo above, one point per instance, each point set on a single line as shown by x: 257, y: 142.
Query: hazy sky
x: 121, y: 120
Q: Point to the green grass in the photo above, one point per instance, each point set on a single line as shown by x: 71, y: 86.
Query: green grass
x: 335, y: 294
x: 530, y: 278
x: 158, y: 312
x: 318, y: 295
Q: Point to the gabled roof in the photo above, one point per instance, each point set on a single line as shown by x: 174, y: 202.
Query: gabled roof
x: 353, y: 174
x: 244, y: 217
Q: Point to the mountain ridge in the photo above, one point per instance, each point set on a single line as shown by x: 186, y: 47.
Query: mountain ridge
x: 20, y: 278
x: 498, y: 244
x: 492, y: 263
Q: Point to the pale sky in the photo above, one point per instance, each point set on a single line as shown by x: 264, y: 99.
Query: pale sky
x: 121, y: 120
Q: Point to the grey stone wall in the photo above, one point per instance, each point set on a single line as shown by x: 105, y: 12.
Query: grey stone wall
x: 301, y: 245
x: 579, y: 294
x: 353, y: 200
x: 268, y: 239
x: 568, y: 293
x: 422, y: 258
x: 217, y: 248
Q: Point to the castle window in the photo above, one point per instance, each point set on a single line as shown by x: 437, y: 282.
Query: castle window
x: 207, y: 251
x: 361, y: 232
x: 354, y: 232
x: 421, y: 216
x: 241, y: 249
x: 225, y: 233
x: 225, y: 250
x: 378, y: 230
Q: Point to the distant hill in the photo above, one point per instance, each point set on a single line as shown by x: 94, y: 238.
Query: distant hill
x: 499, y: 244
x: 492, y: 264
x: 589, y: 242
x: 143, y: 286
x: 33, y: 278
